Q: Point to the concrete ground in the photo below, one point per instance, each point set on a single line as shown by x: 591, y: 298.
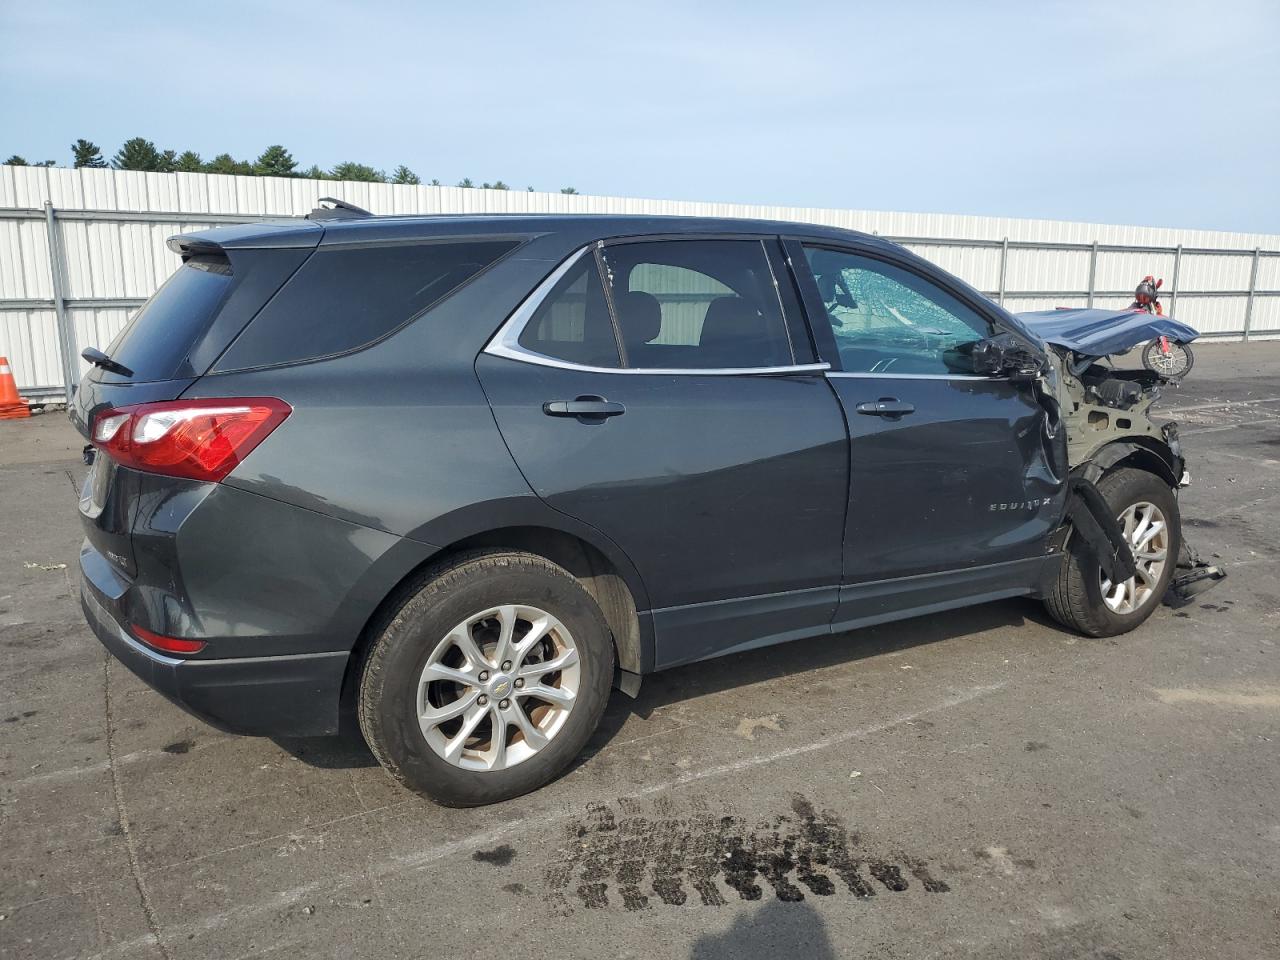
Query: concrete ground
x: 978, y: 784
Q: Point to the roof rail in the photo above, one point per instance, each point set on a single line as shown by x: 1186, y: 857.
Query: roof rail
x: 341, y: 210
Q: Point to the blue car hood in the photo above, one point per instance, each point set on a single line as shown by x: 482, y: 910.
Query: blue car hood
x: 1098, y: 333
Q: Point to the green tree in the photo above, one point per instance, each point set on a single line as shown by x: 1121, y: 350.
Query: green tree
x: 404, y: 175
x: 16, y: 161
x: 225, y: 163
x: 349, y: 170
x: 168, y: 162
x: 568, y: 190
x: 496, y: 185
x: 275, y: 161
x: 86, y: 153
x: 189, y: 162
x: 313, y: 172
x: 435, y: 183
x: 45, y: 163
x: 138, y: 154
x: 466, y: 182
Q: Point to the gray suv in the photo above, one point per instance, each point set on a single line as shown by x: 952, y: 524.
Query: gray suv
x: 459, y: 476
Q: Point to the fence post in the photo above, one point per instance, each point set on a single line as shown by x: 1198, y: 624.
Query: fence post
x: 1253, y: 285
x: 1173, y: 284
x: 1004, y: 263
x: 67, y: 351
x: 1093, y: 270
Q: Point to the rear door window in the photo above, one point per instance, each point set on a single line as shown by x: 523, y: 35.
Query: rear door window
x: 344, y: 298
x: 697, y: 304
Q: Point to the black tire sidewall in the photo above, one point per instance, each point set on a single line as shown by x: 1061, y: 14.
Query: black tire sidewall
x: 426, y: 619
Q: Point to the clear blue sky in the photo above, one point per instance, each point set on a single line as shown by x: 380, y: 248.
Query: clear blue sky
x: 1147, y: 113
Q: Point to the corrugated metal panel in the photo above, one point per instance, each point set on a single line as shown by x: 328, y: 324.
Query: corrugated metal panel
x: 110, y: 260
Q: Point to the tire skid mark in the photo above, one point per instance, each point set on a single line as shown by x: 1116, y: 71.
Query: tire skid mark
x: 641, y: 862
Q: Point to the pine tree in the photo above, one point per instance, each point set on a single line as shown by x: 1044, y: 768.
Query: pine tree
x: 86, y: 153
x: 404, y: 175
x: 225, y: 163
x: 349, y: 170
x: 466, y: 182
x: 275, y: 161
x: 568, y: 190
x: 137, y: 154
x: 16, y: 161
x: 189, y: 162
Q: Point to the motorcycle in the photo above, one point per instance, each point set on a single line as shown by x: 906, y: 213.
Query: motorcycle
x: 1169, y: 358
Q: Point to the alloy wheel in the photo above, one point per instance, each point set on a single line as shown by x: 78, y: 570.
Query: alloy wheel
x: 1147, y: 531
x: 498, y: 687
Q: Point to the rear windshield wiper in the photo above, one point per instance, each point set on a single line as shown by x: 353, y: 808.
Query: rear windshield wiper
x: 100, y: 359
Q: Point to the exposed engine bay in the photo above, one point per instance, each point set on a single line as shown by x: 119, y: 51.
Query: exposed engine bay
x: 1107, y: 415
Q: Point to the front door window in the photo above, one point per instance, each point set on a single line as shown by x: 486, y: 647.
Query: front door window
x: 889, y: 321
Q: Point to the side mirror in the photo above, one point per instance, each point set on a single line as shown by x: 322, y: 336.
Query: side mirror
x: 1005, y: 355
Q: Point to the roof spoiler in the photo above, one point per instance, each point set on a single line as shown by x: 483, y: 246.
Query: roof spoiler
x: 341, y: 210
x: 187, y: 246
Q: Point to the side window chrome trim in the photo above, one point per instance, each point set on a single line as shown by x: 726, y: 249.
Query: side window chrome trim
x: 908, y: 376
x: 506, y: 342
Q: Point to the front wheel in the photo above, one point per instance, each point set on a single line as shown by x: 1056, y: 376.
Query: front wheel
x: 1083, y: 598
x: 1168, y: 358
x: 489, y: 679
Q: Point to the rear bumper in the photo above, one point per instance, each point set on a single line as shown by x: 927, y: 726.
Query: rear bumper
x: 290, y: 696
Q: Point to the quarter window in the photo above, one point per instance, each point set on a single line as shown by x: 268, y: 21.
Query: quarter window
x: 344, y: 298
x: 891, y: 321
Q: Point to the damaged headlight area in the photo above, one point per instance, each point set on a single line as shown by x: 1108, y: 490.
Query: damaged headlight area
x: 1107, y: 414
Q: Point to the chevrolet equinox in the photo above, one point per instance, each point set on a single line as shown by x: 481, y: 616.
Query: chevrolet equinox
x: 460, y: 476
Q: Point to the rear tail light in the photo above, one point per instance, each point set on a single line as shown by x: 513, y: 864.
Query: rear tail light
x: 167, y: 644
x: 195, y: 439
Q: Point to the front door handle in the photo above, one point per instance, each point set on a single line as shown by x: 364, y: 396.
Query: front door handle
x: 584, y: 408
x: 890, y: 407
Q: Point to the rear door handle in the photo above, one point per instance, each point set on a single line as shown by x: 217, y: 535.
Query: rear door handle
x: 586, y: 408
x: 890, y: 407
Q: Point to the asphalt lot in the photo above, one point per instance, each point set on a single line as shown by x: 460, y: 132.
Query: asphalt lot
x: 978, y: 784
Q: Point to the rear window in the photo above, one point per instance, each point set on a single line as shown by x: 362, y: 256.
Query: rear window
x: 157, y: 340
x: 345, y: 298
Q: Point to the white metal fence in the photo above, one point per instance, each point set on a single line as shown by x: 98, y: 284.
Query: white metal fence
x: 80, y: 250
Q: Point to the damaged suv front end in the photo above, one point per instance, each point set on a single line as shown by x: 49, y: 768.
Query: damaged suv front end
x: 1107, y: 414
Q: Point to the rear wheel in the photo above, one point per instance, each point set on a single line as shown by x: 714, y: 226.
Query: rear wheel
x: 488, y: 680
x: 1083, y: 597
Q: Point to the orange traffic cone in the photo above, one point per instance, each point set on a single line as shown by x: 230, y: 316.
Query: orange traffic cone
x: 12, y: 406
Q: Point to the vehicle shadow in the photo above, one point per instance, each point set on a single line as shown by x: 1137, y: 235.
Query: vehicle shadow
x: 776, y: 929
x: 348, y: 750
x: 804, y: 656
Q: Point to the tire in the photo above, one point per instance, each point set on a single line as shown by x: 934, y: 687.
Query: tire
x: 1176, y: 366
x: 441, y: 607
x: 1076, y: 599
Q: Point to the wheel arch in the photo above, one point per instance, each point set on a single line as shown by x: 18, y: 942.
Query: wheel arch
x: 614, y: 585
x: 1142, y: 453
